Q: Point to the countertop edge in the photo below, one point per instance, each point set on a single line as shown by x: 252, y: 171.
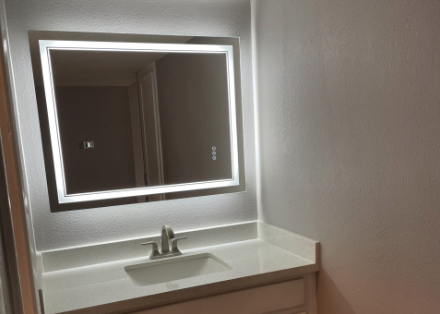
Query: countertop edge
x: 181, y: 295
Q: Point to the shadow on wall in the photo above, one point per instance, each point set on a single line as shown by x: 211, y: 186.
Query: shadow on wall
x: 329, y: 294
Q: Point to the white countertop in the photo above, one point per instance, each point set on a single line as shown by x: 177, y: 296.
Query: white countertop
x: 106, y: 287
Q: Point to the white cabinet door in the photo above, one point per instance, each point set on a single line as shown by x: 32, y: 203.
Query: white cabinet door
x: 259, y: 300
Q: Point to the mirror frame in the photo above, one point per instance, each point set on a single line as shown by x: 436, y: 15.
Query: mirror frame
x: 47, y: 45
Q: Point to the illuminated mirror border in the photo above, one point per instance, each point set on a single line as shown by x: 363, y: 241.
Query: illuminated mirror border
x: 47, y: 45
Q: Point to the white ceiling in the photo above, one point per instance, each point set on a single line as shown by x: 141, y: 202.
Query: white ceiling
x: 88, y: 68
x: 99, y: 68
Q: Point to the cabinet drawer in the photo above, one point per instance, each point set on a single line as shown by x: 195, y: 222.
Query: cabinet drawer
x: 257, y: 300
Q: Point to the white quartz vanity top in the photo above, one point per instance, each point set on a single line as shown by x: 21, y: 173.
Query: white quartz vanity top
x: 106, y: 288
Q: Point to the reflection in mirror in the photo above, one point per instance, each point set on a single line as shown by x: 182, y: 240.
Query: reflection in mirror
x: 159, y: 119
x: 137, y: 121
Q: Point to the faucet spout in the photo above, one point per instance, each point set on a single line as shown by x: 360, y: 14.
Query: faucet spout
x: 168, y: 239
x: 167, y: 236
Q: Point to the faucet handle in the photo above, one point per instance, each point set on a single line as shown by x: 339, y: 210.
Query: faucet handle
x: 155, y: 249
x: 174, y: 248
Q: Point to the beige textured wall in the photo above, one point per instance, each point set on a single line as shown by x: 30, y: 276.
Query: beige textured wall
x: 349, y: 107
x: 184, y: 17
x: 100, y: 114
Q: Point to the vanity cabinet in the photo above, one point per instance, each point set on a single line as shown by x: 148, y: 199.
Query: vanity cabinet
x: 260, y: 277
x: 288, y: 297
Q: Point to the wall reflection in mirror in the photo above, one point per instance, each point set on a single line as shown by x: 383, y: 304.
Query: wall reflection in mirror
x: 147, y: 121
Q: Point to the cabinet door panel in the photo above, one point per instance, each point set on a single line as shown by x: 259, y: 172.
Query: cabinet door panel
x: 258, y: 300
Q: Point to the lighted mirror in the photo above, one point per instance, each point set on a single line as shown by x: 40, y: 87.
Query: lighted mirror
x: 128, y: 121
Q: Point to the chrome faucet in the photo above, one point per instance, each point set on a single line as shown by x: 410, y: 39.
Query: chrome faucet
x: 167, y: 236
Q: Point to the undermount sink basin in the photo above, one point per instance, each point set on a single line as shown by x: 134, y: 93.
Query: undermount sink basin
x: 175, y: 268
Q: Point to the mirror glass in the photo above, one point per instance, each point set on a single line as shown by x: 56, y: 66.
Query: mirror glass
x: 142, y: 121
